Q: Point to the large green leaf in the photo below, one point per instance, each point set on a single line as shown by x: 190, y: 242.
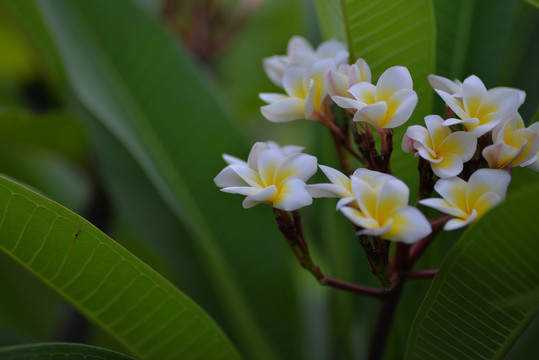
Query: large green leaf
x: 477, y: 305
x: 104, y: 281
x: 143, y: 88
x: 59, y: 351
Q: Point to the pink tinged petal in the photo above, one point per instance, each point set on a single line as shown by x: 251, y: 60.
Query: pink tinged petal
x: 473, y: 94
x: 486, y: 202
x: 415, y: 133
x: 444, y: 206
x: 248, y: 175
x: 263, y: 196
x: 294, y: 81
x: 232, y: 160
x: 460, y: 143
x: 453, y: 190
x: 392, y: 80
x: 275, y: 67
x: 487, y: 180
x: 366, y: 197
x: 454, y: 104
x: 337, y: 83
x: 284, y: 110
x: 301, y: 166
x: 228, y: 177
x: 359, y: 219
x: 400, y: 107
x: 360, y: 72
x: 450, y: 165
x: 364, y: 92
x: 499, y: 155
x: 393, y: 194
x: 409, y: 226
x: 372, y: 114
x: 347, y: 103
x: 292, y: 195
x: 446, y: 85
x: 268, y: 162
x: 458, y: 223
x: 270, y: 98
x: 241, y: 190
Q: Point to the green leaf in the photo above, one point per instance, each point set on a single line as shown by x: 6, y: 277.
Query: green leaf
x: 534, y: 3
x: 388, y: 33
x: 140, y: 84
x: 476, y: 305
x: 104, y: 281
x: 59, y: 351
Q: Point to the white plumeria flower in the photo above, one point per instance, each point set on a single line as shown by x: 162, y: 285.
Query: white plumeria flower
x: 272, y: 175
x: 388, y: 104
x: 305, y: 93
x: 382, y: 208
x: 535, y: 165
x: 445, y: 151
x: 453, y: 88
x: 513, y: 145
x: 301, y: 53
x: 346, y: 76
x: 479, y: 110
x: 468, y: 201
x: 341, y: 185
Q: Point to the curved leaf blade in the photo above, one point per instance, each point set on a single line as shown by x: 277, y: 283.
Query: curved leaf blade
x: 59, y: 351
x: 104, y: 281
x: 476, y: 306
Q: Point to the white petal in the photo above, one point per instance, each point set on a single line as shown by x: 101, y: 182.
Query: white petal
x: 473, y: 94
x: 364, y: 92
x: 446, y: 85
x: 292, y: 149
x: 268, y: 162
x: 409, y: 226
x: 344, y: 201
x: 487, y: 180
x: 359, y: 219
x: 284, y: 110
x: 264, y: 195
x: 270, y: 98
x: 454, y: 104
x: 360, y: 72
x: 449, y: 166
x: 325, y: 190
x: 275, y: 67
x: 248, y: 175
x: 241, y: 190
x: 232, y: 160
x: 460, y: 222
x: 392, y: 80
x: 373, y: 114
x: 347, y: 103
x: 365, y: 196
x: 505, y: 100
x: 256, y: 150
x: 453, y: 190
x: 228, y: 177
x: 298, y: 43
x: 402, y: 105
x: 301, y: 166
x: 443, y: 206
x: 393, y: 194
x: 499, y: 155
x: 337, y: 83
x: 331, y: 48
x: 460, y: 143
x: 292, y: 195
x: 415, y: 133
x: 335, y: 176
x: 294, y: 81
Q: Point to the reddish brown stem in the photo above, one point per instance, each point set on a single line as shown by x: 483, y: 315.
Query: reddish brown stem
x: 420, y: 274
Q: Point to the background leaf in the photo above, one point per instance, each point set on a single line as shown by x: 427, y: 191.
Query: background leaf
x: 104, y: 281
x: 470, y: 311
x: 162, y: 109
x: 57, y: 351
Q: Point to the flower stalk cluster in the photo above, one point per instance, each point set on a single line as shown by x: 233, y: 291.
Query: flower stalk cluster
x: 466, y: 158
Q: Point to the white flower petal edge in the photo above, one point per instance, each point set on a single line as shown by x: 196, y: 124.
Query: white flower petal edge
x: 272, y: 175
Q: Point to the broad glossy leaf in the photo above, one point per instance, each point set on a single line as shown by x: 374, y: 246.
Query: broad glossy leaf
x: 143, y: 88
x: 104, y: 281
x: 477, y: 307
x: 59, y: 351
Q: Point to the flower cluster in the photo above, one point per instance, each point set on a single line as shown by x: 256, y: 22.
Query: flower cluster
x: 371, y: 198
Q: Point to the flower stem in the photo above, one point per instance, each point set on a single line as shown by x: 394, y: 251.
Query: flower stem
x: 420, y: 274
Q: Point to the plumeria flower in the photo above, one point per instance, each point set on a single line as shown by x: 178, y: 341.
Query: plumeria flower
x: 300, y: 52
x: 445, y: 151
x: 535, y: 165
x: 341, y: 185
x: 513, y: 145
x: 479, y: 110
x: 382, y: 209
x: 453, y: 88
x: 346, y: 76
x: 272, y: 175
x: 305, y: 93
x: 388, y: 104
x: 468, y: 201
